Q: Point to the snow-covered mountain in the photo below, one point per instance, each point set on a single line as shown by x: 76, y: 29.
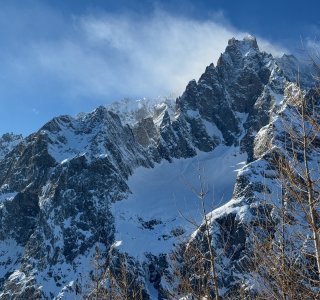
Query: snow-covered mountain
x: 128, y: 173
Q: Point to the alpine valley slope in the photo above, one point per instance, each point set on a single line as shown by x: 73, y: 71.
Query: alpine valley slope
x: 126, y: 172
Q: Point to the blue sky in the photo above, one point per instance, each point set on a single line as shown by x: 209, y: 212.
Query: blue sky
x: 65, y: 57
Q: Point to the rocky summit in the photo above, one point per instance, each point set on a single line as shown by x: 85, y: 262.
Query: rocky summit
x: 122, y: 180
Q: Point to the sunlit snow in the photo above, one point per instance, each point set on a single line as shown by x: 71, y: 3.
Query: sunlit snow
x: 164, y: 197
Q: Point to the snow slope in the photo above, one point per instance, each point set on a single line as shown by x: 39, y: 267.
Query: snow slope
x: 130, y: 173
x: 165, y: 196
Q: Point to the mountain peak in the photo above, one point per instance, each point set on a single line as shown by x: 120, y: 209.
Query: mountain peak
x: 247, y: 44
x: 80, y: 184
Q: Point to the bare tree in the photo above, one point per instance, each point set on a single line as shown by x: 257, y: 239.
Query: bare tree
x: 114, y: 277
x: 285, y: 242
x: 302, y: 169
x: 195, y: 260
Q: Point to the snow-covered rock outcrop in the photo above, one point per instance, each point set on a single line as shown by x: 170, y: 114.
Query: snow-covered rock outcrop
x: 125, y: 172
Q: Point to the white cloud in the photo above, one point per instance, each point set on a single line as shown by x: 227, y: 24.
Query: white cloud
x: 275, y: 50
x: 124, y: 55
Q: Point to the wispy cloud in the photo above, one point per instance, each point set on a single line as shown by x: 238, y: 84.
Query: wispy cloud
x: 63, y: 65
x: 60, y: 63
x: 123, y: 55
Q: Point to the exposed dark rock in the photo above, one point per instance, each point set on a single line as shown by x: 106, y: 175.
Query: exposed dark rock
x: 58, y: 184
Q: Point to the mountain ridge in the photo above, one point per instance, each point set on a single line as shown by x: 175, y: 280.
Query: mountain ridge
x: 64, y: 188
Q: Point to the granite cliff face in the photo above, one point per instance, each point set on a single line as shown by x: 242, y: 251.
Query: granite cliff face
x: 63, y: 187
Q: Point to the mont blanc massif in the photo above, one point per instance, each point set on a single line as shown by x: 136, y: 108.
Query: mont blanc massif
x: 170, y: 198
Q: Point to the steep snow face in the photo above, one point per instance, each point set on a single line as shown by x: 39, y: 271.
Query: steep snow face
x: 128, y: 173
x: 164, y: 198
